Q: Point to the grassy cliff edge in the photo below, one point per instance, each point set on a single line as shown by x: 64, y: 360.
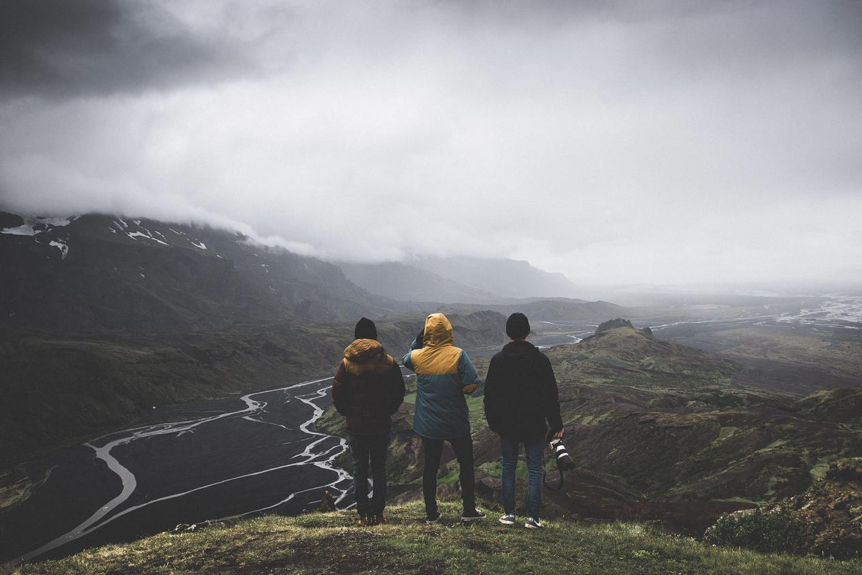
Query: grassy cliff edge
x: 332, y: 543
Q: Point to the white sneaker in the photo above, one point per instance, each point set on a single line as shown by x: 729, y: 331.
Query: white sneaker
x: 507, y: 519
x: 533, y: 524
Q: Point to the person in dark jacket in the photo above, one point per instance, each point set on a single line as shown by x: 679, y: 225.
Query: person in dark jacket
x: 367, y: 390
x: 520, y: 397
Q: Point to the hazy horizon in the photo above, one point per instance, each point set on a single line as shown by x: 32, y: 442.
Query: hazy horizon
x: 630, y: 143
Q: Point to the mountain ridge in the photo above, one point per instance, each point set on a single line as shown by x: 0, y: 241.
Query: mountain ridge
x: 102, y: 272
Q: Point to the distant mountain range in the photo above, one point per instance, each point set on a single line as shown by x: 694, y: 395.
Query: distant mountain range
x: 461, y: 279
x: 98, y: 272
x: 550, y: 310
x: 404, y: 282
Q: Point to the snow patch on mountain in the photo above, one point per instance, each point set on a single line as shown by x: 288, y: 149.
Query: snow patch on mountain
x: 57, y: 222
x: 36, y: 225
x: 148, y: 235
x: 25, y: 230
x: 62, y: 246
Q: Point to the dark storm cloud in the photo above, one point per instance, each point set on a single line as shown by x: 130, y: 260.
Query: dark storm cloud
x: 63, y: 48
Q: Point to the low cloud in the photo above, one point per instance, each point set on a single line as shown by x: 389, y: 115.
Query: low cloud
x: 628, y: 143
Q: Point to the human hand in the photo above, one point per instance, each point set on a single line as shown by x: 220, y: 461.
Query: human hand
x: 559, y: 434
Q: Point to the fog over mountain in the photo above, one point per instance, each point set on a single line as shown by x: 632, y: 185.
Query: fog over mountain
x: 616, y: 142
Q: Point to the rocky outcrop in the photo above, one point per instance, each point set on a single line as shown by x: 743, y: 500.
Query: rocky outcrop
x: 613, y: 323
x: 607, y: 326
x: 825, y: 521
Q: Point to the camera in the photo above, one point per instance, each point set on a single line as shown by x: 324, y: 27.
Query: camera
x: 564, y: 460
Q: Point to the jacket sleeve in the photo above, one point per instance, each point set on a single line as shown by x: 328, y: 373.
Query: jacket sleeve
x: 467, y: 374
x: 551, y: 398
x: 492, y: 395
x: 396, y: 394
x: 405, y: 361
x: 340, y: 395
x: 416, y: 344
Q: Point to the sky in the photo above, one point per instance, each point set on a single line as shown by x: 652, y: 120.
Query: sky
x: 618, y: 142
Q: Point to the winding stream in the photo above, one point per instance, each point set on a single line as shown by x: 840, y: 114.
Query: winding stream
x: 225, y: 465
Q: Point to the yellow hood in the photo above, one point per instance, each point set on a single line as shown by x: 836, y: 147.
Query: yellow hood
x: 438, y: 331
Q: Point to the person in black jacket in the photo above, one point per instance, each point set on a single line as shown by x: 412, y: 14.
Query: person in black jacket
x: 520, y: 396
x: 367, y: 390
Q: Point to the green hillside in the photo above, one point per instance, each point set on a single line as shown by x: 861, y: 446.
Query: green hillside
x: 332, y: 543
x: 659, y: 431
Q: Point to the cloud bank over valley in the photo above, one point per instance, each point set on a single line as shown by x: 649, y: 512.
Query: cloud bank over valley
x: 631, y: 142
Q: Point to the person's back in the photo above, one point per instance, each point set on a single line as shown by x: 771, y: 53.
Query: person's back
x: 520, y: 397
x: 368, y: 388
x: 444, y: 374
x: 523, y: 392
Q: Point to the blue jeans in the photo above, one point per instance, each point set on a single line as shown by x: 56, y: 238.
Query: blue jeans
x: 364, y: 448
x: 533, y: 452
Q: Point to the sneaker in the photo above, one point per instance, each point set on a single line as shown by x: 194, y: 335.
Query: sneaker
x: 473, y: 516
x: 507, y: 519
x: 379, y: 519
x: 432, y: 519
x: 533, y: 524
x: 364, y: 520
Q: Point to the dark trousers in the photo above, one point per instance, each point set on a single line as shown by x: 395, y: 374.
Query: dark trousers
x: 364, y: 448
x: 463, y: 447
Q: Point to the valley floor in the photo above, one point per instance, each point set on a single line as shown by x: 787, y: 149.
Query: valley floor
x: 331, y: 543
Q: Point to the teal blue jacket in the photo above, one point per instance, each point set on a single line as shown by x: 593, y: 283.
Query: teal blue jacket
x: 444, y: 375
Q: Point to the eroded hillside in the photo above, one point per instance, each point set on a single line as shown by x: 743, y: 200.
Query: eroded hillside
x: 660, y: 430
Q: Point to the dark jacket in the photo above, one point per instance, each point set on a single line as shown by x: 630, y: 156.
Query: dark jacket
x: 521, y: 393
x: 368, y: 388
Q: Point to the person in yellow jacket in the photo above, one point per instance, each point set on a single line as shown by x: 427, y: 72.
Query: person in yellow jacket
x: 444, y: 375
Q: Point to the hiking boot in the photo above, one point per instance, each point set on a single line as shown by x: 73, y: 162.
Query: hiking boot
x: 533, y: 524
x: 364, y: 520
x: 432, y: 519
x: 472, y: 515
x: 378, y: 519
x: 507, y: 519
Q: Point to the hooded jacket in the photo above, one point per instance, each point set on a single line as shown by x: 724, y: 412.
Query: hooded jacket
x: 444, y: 374
x: 521, y: 393
x: 368, y: 388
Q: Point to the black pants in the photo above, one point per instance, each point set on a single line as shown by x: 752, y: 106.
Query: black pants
x: 363, y: 448
x: 463, y: 447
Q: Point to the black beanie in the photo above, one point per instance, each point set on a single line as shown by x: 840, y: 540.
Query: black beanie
x: 517, y: 326
x: 365, y: 329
